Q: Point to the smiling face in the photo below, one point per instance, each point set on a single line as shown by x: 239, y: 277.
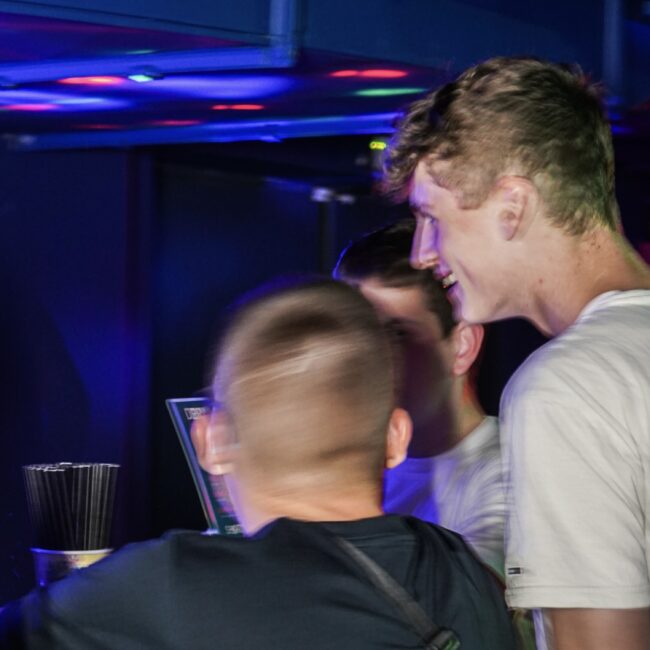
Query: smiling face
x: 467, y: 243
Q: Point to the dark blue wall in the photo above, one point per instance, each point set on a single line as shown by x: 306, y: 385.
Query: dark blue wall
x: 74, y: 353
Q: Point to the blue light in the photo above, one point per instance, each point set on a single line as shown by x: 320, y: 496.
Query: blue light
x: 65, y: 101
x: 223, y: 87
x: 81, y: 101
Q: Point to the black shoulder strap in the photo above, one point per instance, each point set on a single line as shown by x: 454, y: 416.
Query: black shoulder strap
x: 433, y: 636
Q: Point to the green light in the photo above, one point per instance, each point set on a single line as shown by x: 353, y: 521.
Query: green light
x: 388, y: 92
x: 141, y: 78
x: 141, y: 51
x: 377, y: 145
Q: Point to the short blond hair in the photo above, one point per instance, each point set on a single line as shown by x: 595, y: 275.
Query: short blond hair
x: 514, y: 115
x: 305, y: 373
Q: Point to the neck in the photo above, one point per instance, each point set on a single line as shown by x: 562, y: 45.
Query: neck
x: 258, y: 507
x: 577, y: 270
x: 452, y: 424
x: 471, y: 413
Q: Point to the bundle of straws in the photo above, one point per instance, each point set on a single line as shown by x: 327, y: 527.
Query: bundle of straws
x: 71, y: 504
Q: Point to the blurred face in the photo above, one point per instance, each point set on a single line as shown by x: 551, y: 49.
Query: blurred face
x: 426, y: 357
x: 462, y: 247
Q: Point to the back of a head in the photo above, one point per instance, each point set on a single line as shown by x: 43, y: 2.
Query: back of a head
x: 305, y: 376
x: 520, y: 116
x: 384, y: 255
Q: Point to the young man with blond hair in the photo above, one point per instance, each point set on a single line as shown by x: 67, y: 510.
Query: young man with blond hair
x: 510, y: 173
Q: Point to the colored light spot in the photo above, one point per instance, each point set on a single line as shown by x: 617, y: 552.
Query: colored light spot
x: 29, y: 107
x: 378, y: 73
x: 176, y: 122
x: 224, y: 89
x: 92, y: 81
x: 74, y: 101
x: 237, y: 107
x: 141, y: 52
x: 345, y: 73
x: 383, y: 74
x: 142, y: 78
x: 377, y: 145
x: 247, y: 107
x: 388, y: 92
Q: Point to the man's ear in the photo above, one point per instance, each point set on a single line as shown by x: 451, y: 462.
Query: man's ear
x: 468, y: 338
x: 398, y: 437
x: 213, y: 442
x: 517, y: 196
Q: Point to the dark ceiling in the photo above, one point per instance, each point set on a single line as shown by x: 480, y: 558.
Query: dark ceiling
x: 317, y: 85
x: 94, y: 74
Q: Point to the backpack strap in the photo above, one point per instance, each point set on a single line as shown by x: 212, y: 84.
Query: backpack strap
x: 433, y: 636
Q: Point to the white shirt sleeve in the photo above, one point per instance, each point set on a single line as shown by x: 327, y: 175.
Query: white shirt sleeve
x: 575, y: 531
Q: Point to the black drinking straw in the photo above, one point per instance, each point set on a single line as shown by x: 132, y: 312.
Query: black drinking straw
x: 71, y: 504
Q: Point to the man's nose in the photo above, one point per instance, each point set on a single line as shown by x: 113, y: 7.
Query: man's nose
x: 424, y: 254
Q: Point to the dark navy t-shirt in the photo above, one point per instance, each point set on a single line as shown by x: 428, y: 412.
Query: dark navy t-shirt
x: 288, y: 587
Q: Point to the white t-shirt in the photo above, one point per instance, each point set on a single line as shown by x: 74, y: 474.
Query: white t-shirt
x: 576, y: 439
x: 461, y: 489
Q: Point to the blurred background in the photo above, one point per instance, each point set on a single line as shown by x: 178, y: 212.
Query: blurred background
x: 160, y: 158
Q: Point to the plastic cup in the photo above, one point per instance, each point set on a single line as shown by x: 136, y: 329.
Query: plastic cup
x: 50, y: 566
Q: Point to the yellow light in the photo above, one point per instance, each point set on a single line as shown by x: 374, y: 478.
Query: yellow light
x: 378, y: 145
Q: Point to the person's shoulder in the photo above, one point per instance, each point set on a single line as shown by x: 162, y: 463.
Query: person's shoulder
x: 142, y: 568
x: 136, y: 558
x: 166, y: 544
x: 456, y: 559
x: 445, y: 541
x: 615, y: 315
x: 609, y: 340
x: 537, y: 371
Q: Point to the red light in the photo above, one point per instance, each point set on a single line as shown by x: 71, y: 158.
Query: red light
x: 345, y: 73
x: 379, y: 73
x: 92, y: 81
x: 176, y: 122
x: 247, y: 107
x: 29, y: 107
x: 237, y: 107
x: 383, y: 74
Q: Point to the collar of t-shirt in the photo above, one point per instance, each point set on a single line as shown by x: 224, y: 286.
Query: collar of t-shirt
x: 614, y: 299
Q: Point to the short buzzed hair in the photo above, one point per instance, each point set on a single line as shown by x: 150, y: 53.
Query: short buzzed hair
x: 305, y: 374
x: 384, y: 254
x: 509, y: 115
